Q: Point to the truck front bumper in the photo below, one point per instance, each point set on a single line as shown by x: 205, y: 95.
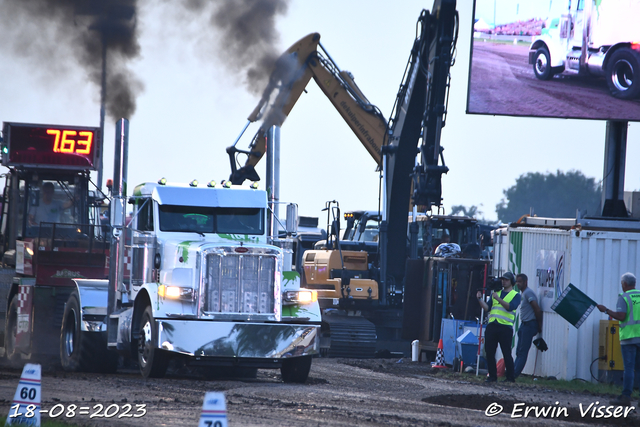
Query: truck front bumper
x: 237, y: 339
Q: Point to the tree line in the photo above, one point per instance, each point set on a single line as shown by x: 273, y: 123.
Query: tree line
x: 556, y: 195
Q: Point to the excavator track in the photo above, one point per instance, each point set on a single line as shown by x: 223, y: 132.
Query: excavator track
x: 349, y: 336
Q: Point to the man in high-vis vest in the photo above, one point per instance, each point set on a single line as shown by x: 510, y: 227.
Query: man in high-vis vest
x: 502, y: 314
x: 628, y: 313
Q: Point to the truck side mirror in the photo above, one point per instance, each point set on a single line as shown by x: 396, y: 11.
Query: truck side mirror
x: 292, y: 219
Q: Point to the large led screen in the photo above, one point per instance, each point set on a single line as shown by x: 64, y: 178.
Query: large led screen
x: 556, y: 58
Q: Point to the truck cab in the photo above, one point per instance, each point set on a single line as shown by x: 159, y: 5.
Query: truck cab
x: 597, y: 38
x: 207, y: 286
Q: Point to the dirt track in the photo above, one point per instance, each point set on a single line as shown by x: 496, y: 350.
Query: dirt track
x: 502, y: 83
x: 339, y: 392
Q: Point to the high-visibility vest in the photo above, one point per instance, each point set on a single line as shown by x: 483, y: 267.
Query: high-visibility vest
x: 501, y: 315
x: 630, y: 327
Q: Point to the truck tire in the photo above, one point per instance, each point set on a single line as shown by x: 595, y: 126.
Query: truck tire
x: 542, y: 64
x: 153, y: 361
x: 11, y: 353
x: 82, y: 351
x: 296, y: 370
x: 623, y: 74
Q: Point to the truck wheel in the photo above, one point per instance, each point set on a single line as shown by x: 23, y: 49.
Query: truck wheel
x: 623, y: 74
x: 296, y: 370
x: 153, y: 361
x: 542, y: 64
x: 81, y: 350
x: 11, y: 353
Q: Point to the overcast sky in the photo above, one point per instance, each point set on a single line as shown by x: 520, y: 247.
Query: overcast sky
x: 193, y: 107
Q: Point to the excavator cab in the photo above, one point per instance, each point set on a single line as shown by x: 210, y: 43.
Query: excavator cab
x: 461, y: 230
x: 362, y: 234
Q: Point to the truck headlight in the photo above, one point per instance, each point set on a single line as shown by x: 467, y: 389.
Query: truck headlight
x: 175, y: 292
x: 301, y: 296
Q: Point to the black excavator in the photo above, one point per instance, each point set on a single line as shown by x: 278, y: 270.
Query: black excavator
x: 362, y: 297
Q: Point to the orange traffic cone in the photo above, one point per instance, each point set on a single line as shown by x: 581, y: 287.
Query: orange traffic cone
x: 501, y: 368
x: 439, y: 363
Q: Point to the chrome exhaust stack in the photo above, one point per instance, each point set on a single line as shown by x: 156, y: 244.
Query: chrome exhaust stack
x: 118, y: 204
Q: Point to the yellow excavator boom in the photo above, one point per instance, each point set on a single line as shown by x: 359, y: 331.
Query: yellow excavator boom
x: 292, y: 72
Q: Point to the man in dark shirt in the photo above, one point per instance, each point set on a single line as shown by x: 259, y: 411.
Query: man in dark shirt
x: 530, y: 322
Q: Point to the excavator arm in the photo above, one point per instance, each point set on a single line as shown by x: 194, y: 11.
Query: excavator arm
x: 292, y: 72
x: 417, y: 121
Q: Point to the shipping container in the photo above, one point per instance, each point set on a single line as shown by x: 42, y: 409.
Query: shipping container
x: 591, y: 254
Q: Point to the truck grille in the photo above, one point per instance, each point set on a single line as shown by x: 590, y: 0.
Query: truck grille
x: 240, y: 283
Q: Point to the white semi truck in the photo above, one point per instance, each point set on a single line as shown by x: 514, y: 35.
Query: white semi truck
x: 594, y: 37
x: 191, y: 276
x: 205, y: 284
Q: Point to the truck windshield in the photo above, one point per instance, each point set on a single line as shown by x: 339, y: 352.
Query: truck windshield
x: 211, y: 220
x: 366, y: 231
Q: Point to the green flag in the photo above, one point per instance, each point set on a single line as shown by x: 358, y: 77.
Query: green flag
x: 573, y: 305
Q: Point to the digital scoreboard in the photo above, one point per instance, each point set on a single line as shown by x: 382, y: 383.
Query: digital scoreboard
x: 50, y: 146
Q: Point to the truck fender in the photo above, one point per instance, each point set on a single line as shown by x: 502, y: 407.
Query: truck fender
x: 555, y: 51
x: 613, y: 49
x: 92, y: 295
x: 141, y: 302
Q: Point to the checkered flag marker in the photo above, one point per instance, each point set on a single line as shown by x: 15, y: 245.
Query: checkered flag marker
x: 23, y: 294
x: 439, y: 363
x: 573, y: 305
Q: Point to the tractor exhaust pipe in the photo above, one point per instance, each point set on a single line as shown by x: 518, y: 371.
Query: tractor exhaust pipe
x: 118, y: 204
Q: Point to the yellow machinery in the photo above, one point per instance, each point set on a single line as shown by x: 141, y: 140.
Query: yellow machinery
x: 291, y: 74
x: 609, y: 348
x: 324, y: 271
x: 345, y: 289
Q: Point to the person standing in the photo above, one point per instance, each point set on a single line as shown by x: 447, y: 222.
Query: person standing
x: 530, y: 323
x: 501, y: 308
x: 628, y: 313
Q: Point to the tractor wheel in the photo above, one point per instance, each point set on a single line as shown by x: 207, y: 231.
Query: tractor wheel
x: 11, y: 352
x: 82, y: 350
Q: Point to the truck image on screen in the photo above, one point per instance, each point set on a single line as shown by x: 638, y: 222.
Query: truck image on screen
x: 593, y: 38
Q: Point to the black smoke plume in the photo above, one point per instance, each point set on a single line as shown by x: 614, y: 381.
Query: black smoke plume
x: 48, y: 32
x: 247, y: 42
